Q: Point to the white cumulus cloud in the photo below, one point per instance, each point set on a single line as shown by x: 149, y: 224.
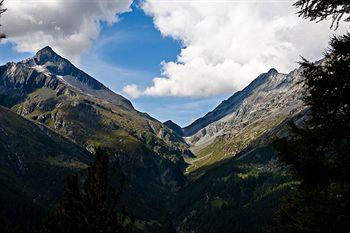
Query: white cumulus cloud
x: 69, y: 26
x: 226, y: 44
x: 132, y: 91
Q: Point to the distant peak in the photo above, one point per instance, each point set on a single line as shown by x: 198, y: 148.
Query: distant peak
x: 176, y: 128
x: 47, y: 48
x: 272, y: 71
x: 170, y: 122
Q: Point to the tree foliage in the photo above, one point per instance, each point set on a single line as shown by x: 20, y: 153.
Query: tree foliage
x: 2, y: 10
x: 322, y: 9
x: 319, y: 153
x: 93, y: 209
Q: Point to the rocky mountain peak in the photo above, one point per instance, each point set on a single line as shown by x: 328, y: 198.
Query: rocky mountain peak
x: 47, y: 54
x: 270, y: 86
x: 52, y: 69
x: 46, y: 50
x: 48, y: 61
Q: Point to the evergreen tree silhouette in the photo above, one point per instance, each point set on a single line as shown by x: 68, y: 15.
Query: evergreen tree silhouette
x: 94, y: 209
x: 319, y: 153
x: 318, y: 10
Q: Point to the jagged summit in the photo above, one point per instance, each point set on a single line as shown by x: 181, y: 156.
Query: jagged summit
x: 47, y: 58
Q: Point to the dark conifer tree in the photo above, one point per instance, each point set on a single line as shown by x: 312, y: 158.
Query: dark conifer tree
x: 2, y: 10
x: 317, y: 10
x: 319, y: 153
x: 93, y: 209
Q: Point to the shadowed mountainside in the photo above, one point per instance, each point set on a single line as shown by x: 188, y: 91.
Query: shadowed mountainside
x: 34, y: 163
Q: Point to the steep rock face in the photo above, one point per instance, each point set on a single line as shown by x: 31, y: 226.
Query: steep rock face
x: 265, y: 103
x: 49, y: 89
x: 34, y: 163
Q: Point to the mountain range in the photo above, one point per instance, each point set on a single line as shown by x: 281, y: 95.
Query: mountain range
x: 220, y: 169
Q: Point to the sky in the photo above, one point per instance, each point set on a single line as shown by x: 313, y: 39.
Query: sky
x: 174, y: 59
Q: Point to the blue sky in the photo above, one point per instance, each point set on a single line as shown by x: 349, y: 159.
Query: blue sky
x: 131, y: 51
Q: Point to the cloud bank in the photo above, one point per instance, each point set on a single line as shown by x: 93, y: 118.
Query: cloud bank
x: 226, y: 44
x: 69, y: 26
